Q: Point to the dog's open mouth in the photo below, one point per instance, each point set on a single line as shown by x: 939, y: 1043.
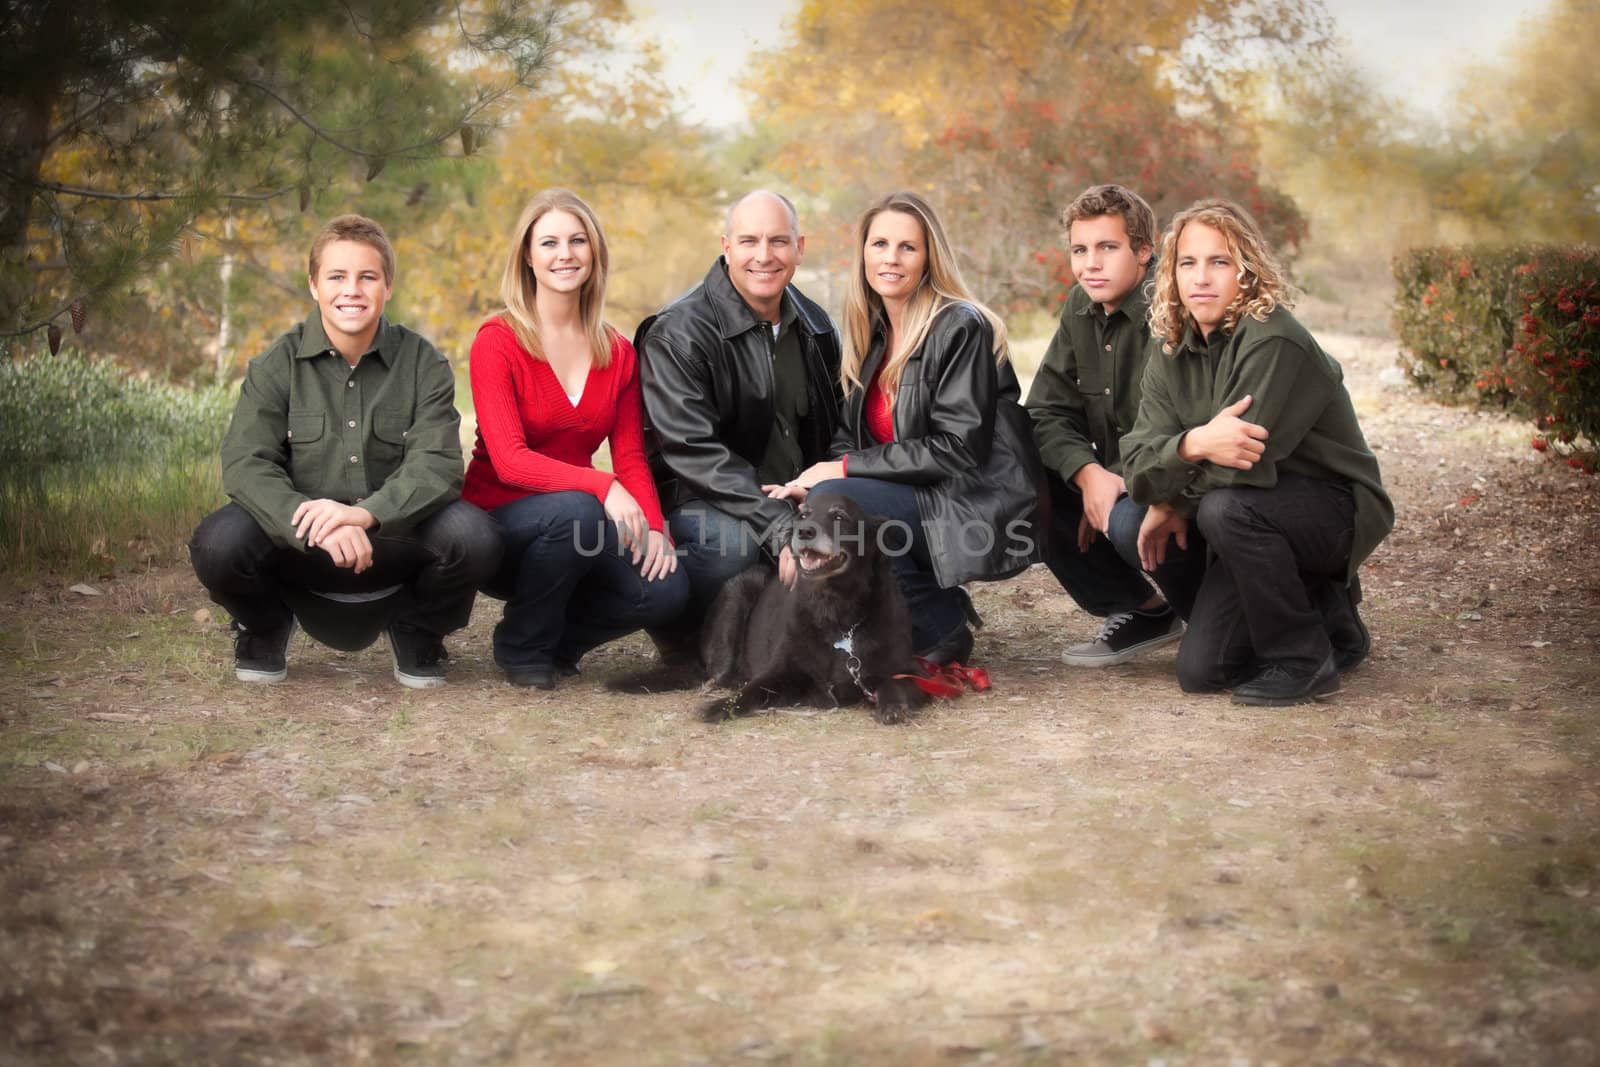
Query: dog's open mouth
x: 815, y: 564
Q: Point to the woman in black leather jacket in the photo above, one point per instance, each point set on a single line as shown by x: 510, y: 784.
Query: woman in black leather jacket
x: 933, y: 438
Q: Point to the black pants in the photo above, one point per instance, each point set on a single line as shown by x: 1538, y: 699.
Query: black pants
x: 1260, y: 597
x: 438, y: 566
x: 1099, y: 580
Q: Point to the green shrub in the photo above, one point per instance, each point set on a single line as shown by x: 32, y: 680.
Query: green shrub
x: 96, y: 466
x: 1510, y: 327
x: 1555, y: 361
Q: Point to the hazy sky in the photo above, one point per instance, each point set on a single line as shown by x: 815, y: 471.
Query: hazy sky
x: 1413, y: 48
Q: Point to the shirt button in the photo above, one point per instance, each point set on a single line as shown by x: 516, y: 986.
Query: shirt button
x: 354, y: 459
x: 1108, y: 390
x: 350, y: 383
x: 1108, y: 348
x: 352, y: 424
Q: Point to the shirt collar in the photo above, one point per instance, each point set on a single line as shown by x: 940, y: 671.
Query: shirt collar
x: 314, y: 340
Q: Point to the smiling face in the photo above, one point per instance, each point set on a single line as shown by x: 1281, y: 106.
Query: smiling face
x: 1207, y: 275
x: 560, y: 252
x: 895, y: 256
x: 351, y: 291
x: 763, y: 250
x: 1104, y: 261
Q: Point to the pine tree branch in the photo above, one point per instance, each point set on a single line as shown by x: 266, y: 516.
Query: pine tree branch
x: 105, y: 194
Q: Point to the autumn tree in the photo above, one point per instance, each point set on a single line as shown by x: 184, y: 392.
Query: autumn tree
x: 1003, y: 112
x: 123, y: 123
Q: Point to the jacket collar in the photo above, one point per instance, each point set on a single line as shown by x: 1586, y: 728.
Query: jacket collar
x: 314, y: 340
x: 735, y: 317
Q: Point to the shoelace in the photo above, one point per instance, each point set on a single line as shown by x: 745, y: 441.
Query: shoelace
x: 1113, y: 623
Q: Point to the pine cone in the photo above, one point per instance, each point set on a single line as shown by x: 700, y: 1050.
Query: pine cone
x: 80, y: 314
x: 53, y: 334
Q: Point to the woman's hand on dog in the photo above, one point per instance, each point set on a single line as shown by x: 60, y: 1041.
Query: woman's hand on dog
x: 632, y: 526
x: 801, y: 484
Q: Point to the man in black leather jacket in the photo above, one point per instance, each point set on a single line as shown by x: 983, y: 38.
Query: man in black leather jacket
x: 741, y: 388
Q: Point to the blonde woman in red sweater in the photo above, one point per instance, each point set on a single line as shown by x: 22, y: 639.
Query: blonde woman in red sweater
x: 586, y: 557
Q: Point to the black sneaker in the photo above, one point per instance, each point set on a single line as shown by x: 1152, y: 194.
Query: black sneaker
x: 1124, y: 636
x: 262, y: 657
x: 418, y: 657
x: 1278, y: 686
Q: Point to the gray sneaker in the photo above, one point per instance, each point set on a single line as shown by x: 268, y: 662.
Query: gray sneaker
x: 1124, y: 636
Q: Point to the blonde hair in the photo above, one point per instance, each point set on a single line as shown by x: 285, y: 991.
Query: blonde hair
x: 1263, y: 285
x: 519, y: 288
x: 941, y: 286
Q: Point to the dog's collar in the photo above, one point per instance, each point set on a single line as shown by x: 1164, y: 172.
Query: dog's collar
x: 847, y: 643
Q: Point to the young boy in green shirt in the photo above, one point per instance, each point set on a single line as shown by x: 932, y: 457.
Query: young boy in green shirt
x: 1082, y: 401
x: 343, y: 464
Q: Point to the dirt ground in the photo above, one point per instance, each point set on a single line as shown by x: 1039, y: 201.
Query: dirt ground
x: 1075, y: 867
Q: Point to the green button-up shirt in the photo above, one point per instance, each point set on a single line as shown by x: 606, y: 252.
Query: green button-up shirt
x: 1296, y: 391
x: 784, y: 458
x: 383, y: 434
x: 1085, y: 393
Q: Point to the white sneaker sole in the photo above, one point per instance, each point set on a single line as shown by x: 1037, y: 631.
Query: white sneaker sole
x: 246, y: 674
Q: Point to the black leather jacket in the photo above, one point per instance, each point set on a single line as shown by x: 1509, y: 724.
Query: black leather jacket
x: 966, y: 443
x: 705, y: 365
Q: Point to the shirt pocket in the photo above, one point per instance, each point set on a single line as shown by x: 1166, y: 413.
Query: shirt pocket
x: 307, y: 440
x: 390, y: 433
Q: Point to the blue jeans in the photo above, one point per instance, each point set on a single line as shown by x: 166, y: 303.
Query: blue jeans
x: 937, y: 614
x: 1099, y: 580
x: 567, y: 585
x: 712, y: 547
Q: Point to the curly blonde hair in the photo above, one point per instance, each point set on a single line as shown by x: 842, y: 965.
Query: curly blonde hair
x: 1263, y: 284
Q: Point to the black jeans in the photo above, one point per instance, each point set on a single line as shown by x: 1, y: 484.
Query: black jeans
x: 438, y: 566
x: 1099, y: 580
x: 1254, y: 599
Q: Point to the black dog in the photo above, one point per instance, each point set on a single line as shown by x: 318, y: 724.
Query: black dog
x: 839, y: 636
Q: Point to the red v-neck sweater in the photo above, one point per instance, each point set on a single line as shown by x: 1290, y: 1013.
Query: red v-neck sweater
x: 532, y: 440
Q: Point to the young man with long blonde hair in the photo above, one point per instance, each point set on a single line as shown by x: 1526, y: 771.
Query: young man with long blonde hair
x: 1255, y: 498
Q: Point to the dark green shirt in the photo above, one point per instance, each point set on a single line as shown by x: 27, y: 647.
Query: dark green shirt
x: 383, y: 434
x: 784, y: 458
x: 1297, y: 392
x: 1086, y: 392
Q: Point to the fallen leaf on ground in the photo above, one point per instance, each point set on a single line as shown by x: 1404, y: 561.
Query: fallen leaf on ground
x: 83, y: 590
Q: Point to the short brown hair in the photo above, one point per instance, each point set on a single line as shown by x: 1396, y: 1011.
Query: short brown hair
x: 357, y: 228
x: 1099, y: 200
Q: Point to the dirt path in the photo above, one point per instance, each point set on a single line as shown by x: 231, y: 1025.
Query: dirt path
x: 1076, y: 867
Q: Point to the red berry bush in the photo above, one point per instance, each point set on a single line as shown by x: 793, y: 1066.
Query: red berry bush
x: 1516, y: 328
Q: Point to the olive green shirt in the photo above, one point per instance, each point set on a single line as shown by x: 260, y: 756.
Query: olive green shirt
x: 1085, y: 393
x: 383, y: 434
x: 784, y: 458
x: 1297, y: 392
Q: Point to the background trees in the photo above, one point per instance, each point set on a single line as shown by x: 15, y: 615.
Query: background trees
x: 1003, y: 112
